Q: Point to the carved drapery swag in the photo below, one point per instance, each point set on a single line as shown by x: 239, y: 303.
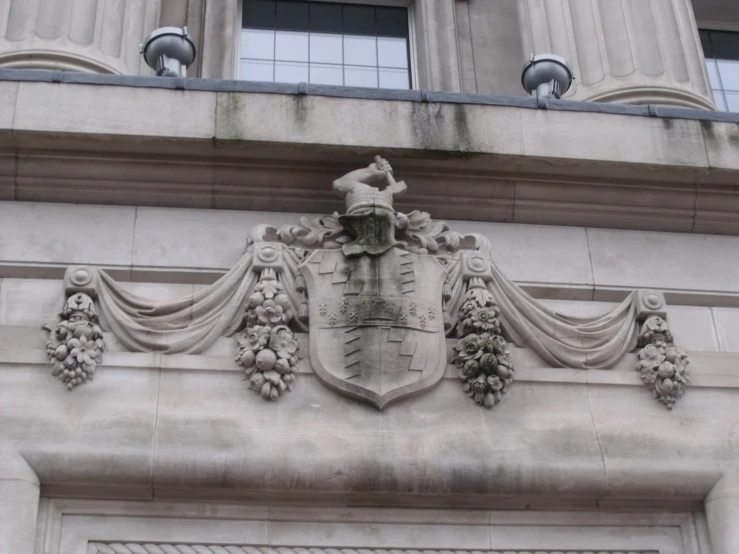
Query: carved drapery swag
x: 266, y: 298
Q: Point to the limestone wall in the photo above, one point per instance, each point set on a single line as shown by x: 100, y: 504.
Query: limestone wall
x: 152, y: 421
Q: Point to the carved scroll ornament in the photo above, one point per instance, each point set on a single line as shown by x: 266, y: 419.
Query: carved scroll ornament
x: 379, y: 293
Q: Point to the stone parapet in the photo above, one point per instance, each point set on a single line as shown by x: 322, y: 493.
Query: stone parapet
x: 268, y: 147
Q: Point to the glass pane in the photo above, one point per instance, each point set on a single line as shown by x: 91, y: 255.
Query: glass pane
x: 392, y: 22
x: 355, y: 76
x: 257, y: 44
x: 258, y: 13
x: 732, y: 101
x: 291, y: 72
x: 718, y: 98
x: 725, y: 45
x: 322, y: 74
x: 713, y: 73
x: 325, y: 48
x: 291, y: 46
x: 360, y: 50
x: 359, y: 20
x: 256, y: 70
x: 292, y: 16
x: 729, y: 71
x: 394, y: 78
x: 706, y: 43
x: 325, y: 18
x: 392, y: 52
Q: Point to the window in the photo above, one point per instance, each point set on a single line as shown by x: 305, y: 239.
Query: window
x: 325, y: 43
x: 722, y: 60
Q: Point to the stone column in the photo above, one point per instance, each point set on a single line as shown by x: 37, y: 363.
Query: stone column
x: 436, y: 45
x: 99, y: 36
x: 630, y: 51
x: 221, y: 28
x: 19, y: 499
x: 722, y: 513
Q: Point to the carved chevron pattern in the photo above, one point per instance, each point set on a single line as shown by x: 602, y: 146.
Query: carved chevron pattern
x: 147, y: 548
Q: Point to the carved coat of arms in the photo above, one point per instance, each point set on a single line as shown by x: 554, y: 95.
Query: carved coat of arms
x: 376, y: 326
x: 379, y: 293
x: 376, y: 331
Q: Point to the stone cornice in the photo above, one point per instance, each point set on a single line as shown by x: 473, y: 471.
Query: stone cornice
x: 200, y: 143
x: 710, y: 369
x: 148, y: 548
x: 206, y: 276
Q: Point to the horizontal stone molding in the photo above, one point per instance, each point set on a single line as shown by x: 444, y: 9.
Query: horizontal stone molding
x: 709, y: 369
x: 207, y: 276
x: 637, y: 167
x: 144, y: 548
x: 78, y: 525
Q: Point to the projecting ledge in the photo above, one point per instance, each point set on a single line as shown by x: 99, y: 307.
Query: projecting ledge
x: 201, y: 143
x: 548, y: 444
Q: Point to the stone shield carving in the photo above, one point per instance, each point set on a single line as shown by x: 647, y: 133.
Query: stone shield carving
x: 376, y: 325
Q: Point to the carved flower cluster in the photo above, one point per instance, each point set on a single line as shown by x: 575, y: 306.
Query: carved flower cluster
x: 267, y: 347
x: 481, y: 355
x: 664, y: 370
x: 268, y: 305
x: 76, y: 345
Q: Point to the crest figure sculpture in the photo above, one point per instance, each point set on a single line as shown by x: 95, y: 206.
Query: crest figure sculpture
x: 381, y: 294
x: 376, y: 327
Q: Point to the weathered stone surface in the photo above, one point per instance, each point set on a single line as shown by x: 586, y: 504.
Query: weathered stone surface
x: 106, y: 428
x: 48, y: 238
x: 19, y: 501
x: 211, y: 239
x: 631, y: 258
x: 188, y: 116
x: 689, y: 160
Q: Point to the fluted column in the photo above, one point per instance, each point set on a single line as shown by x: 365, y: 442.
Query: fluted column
x: 100, y: 36
x: 630, y: 51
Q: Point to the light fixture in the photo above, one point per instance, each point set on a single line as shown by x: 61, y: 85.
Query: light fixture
x: 169, y: 51
x: 546, y: 76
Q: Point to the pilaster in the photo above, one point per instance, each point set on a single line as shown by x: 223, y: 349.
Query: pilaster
x: 722, y: 512
x: 19, y: 500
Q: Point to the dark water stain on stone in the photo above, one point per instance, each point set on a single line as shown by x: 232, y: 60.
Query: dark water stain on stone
x: 461, y: 128
x: 300, y: 109
x: 230, y: 105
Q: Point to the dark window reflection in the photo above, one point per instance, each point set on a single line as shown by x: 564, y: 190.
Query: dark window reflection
x: 325, y: 43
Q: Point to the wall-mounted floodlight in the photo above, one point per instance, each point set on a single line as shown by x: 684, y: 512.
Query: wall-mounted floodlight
x: 169, y: 51
x: 546, y: 76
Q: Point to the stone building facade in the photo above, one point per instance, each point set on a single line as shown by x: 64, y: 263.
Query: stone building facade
x: 178, y: 373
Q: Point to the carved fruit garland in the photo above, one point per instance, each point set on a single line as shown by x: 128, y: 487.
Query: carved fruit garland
x: 76, y: 345
x: 662, y: 366
x: 481, y: 355
x: 267, y: 346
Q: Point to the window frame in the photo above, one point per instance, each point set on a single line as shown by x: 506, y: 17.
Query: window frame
x: 716, y: 27
x: 409, y: 5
